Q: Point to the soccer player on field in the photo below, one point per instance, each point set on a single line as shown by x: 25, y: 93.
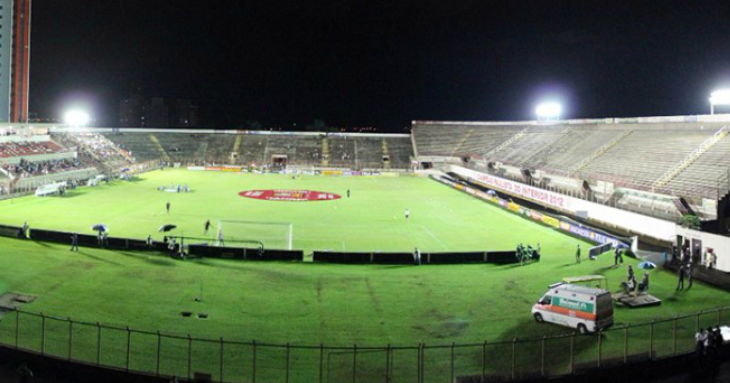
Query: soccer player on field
x: 167, y: 206
x: 408, y: 214
x: 207, y: 227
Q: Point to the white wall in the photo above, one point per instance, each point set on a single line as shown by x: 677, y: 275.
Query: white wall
x: 636, y: 223
x: 720, y: 245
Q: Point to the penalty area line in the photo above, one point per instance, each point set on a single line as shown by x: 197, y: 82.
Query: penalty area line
x: 432, y: 235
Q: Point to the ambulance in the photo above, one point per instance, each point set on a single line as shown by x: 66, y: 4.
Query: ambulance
x: 584, y: 308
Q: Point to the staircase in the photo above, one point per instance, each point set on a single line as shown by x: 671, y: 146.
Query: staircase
x: 325, y: 152
x: 116, y: 147
x: 463, y: 140
x: 599, y: 152
x: 692, y: 157
x: 384, y: 148
x: 159, y: 147
x: 506, y: 143
x: 202, y: 151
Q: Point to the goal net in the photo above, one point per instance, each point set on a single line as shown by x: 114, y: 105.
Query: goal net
x: 274, y: 235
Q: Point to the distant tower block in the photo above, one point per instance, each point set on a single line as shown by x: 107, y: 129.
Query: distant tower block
x: 14, y: 59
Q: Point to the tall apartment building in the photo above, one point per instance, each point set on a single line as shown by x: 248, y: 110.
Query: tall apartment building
x: 15, y: 18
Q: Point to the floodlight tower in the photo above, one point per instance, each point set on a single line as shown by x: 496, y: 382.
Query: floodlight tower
x: 549, y: 111
x: 719, y: 97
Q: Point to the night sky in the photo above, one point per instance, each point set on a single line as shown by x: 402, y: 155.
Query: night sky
x: 383, y: 64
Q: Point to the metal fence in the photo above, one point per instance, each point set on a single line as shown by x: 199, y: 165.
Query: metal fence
x: 235, y: 361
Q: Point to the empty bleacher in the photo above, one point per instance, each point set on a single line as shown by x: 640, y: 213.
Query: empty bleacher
x: 345, y: 151
x: 633, y: 155
x: 702, y: 177
x: 138, y: 145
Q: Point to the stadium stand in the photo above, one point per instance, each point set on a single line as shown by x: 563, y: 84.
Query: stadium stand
x: 310, y: 149
x: 28, y: 169
x: 670, y: 158
x: 26, y: 148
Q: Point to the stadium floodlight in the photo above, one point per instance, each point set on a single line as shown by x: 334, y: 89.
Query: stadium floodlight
x: 76, y: 118
x: 719, y: 97
x: 549, y: 111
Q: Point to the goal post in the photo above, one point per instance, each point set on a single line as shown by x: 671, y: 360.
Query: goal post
x: 274, y: 235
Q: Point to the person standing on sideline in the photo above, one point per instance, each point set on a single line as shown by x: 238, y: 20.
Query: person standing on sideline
x: 689, y: 275
x: 577, y: 255
x: 408, y: 214
x: 416, y: 257
x: 25, y: 229
x: 149, y: 241
x: 680, y: 275
x: 207, y: 227
x: 630, y: 272
x: 74, y: 242
x: 167, y: 206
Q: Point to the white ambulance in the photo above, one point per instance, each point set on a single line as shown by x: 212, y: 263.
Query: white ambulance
x: 584, y: 308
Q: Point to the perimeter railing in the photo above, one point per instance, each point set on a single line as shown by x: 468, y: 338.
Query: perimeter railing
x: 227, y: 360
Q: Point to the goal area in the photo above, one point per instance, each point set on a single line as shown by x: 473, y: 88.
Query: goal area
x: 274, y: 235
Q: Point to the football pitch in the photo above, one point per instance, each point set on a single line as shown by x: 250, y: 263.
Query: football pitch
x: 305, y: 303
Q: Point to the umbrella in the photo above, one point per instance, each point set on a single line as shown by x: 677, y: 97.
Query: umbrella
x: 100, y: 228
x: 166, y: 228
x: 647, y: 265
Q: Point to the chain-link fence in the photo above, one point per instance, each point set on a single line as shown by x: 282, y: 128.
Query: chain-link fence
x: 233, y: 361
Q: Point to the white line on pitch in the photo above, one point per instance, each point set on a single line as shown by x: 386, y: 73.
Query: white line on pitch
x: 432, y: 235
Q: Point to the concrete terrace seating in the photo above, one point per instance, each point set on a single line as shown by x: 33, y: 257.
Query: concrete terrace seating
x: 528, y: 145
x: 180, y: 147
x: 345, y: 151
x: 701, y: 177
x: 461, y: 140
x: 25, y: 149
x: 219, y: 147
x: 400, y: 150
x: 573, y: 145
x: 645, y: 156
x: 139, y: 145
x: 252, y: 149
x: 342, y: 151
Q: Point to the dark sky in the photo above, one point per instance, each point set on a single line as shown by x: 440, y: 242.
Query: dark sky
x: 373, y: 63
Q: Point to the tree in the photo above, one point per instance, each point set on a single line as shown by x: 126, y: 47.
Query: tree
x: 690, y: 221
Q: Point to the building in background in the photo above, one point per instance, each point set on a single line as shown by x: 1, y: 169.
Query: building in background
x: 185, y: 114
x: 14, y: 59
x: 157, y: 112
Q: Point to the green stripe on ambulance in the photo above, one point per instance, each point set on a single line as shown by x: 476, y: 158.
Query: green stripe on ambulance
x: 573, y: 304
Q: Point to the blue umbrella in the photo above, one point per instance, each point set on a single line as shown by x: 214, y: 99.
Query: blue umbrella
x: 647, y: 265
x: 100, y: 228
x: 166, y: 228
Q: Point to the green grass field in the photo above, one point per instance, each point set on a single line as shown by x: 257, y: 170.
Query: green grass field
x: 304, y: 303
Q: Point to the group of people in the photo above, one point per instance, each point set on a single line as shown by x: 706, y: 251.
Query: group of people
x: 26, y: 168
x: 630, y: 286
x: 708, y: 341
x: 527, y: 254
x: 180, y: 188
